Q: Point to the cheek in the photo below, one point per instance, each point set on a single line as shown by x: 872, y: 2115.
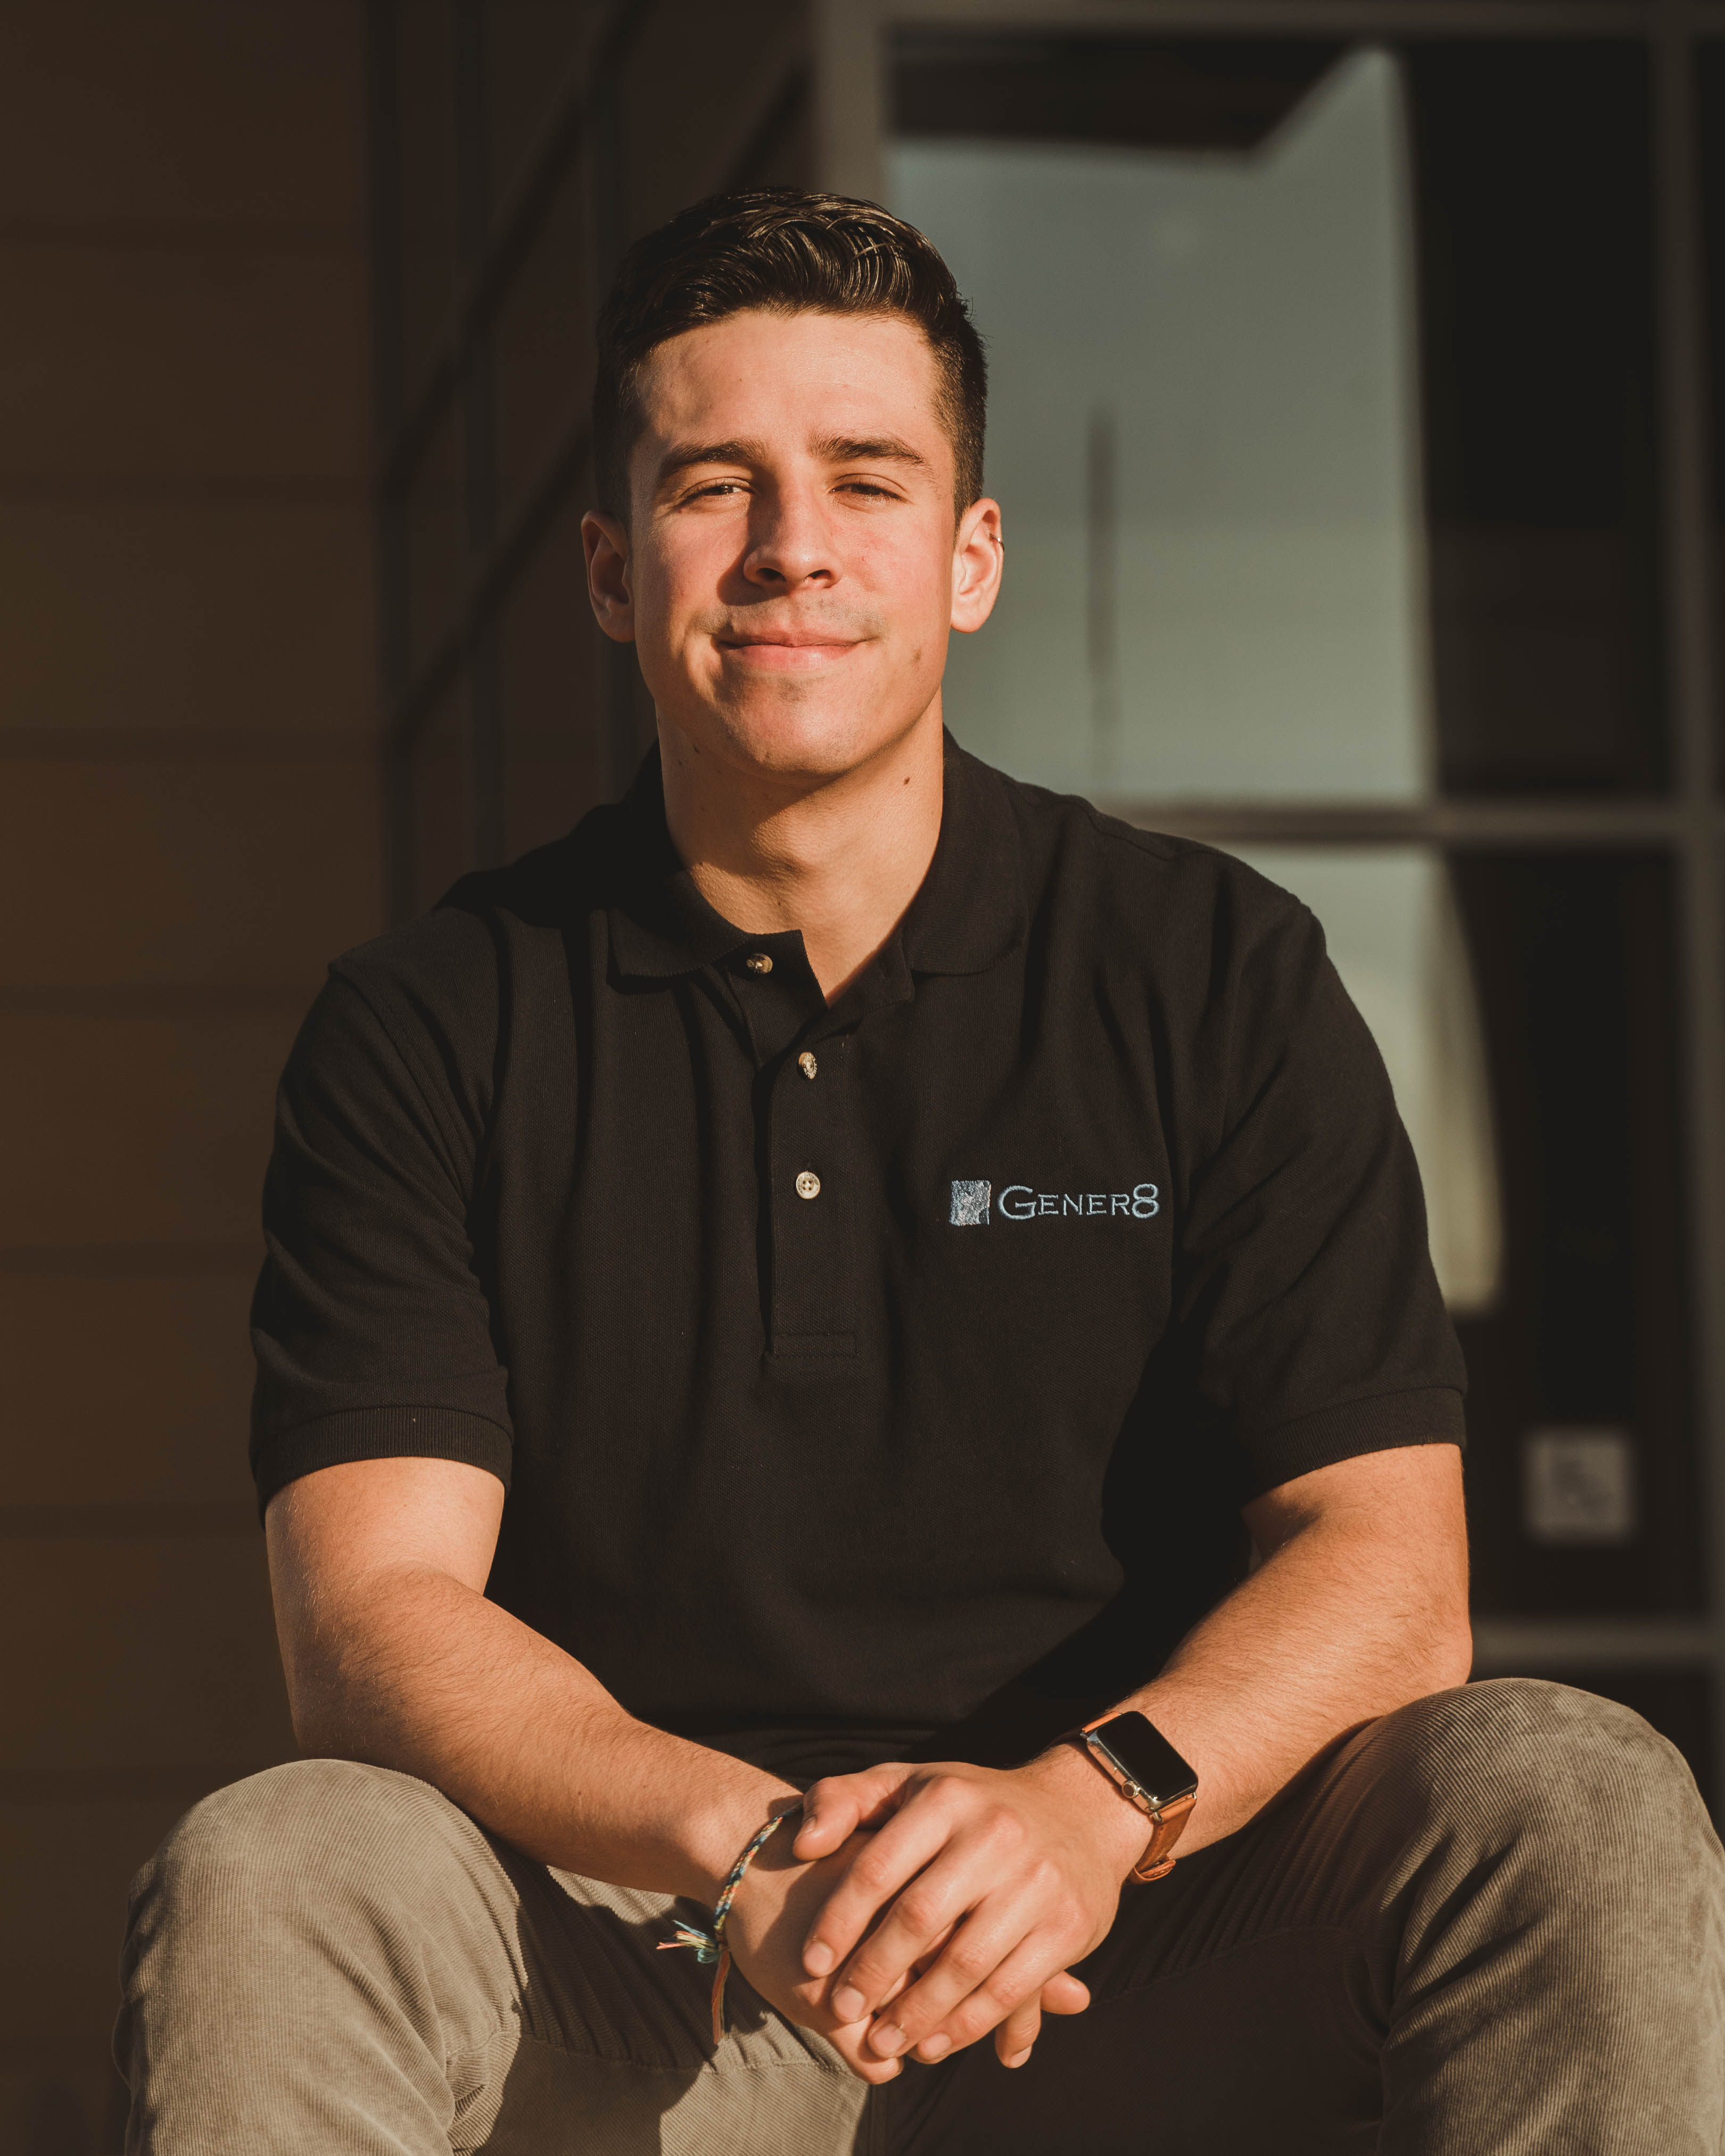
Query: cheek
x: 912, y: 581
x: 667, y: 590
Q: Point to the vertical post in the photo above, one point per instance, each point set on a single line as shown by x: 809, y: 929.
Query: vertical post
x: 1689, y: 552
x: 484, y: 788
x: 606, y: 152
x: 385, y: 239
x: 1101, y: 579
x: 849, y: 97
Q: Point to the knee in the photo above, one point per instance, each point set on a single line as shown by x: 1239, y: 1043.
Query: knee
x: 1520, y: 1756
x: 312, y: 1828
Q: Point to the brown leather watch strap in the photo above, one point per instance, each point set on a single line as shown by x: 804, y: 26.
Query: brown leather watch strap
x: 1167, y: 1826
x: 1161, y: 1767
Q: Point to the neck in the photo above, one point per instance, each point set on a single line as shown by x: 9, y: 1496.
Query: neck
x: 839, y: 858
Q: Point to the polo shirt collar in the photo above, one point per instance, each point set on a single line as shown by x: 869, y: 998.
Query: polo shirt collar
x: 968, y: 913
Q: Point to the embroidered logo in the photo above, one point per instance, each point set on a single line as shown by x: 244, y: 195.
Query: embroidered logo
x: 1020, y: 1202
x: 970, y: 1205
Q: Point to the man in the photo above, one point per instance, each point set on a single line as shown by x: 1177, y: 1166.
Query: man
x: 789, y: 1294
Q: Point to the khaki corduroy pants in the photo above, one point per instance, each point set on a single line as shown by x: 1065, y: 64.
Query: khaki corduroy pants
x: 1490, y: 1924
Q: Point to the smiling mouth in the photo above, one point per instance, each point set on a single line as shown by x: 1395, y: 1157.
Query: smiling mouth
x: 787, y: 651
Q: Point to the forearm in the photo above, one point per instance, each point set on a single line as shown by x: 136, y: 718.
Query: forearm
x: 1339, y: 1624
x: 410, y: 1669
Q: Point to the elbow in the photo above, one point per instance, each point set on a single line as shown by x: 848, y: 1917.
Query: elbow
x: 1450, y: 1662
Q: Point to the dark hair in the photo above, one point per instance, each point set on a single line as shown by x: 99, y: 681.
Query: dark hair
x: 789, y: 251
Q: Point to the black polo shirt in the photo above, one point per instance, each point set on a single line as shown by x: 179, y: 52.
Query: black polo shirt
x: 855, y: 1373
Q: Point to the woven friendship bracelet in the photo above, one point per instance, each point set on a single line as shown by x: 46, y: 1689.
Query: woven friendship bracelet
x: 708, y: 1946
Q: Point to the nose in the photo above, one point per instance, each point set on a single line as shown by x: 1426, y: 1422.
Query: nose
x: 790, y: 545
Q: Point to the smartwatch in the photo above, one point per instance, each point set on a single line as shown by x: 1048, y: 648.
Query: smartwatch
x: 1151, y: 1775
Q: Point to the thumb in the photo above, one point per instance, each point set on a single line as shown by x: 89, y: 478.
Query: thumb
x: 834, y: 1807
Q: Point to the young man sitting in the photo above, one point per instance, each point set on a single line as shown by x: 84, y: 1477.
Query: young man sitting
x: 778, y: 1307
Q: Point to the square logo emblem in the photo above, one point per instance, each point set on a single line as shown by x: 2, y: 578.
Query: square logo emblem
x: 970, y: 1204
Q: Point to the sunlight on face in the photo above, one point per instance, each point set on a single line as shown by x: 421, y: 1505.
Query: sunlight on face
x: 794, y: 570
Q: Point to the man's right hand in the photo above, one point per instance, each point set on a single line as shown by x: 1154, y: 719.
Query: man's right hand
x: 776, y: 1907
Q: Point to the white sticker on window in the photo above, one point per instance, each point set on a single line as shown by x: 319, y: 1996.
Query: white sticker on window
x: 1578, y: 1487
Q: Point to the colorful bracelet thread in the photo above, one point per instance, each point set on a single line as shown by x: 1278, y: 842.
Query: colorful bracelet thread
x: 710, y: 1946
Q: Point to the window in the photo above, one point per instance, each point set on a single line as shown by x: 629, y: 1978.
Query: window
x: 1335, y: 434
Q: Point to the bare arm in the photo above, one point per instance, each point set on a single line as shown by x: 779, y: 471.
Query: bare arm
x: 1359, y: 1606
x: 393, y: 1656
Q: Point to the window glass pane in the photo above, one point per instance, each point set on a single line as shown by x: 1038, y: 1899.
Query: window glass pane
x: 1393, y: 932
x: 1525, y: 1009
x: 1533, y: 175
x: 1294, y: 506
x: 549, y: 645
x: 1203, y: 436
x: 541, y: 346
x: 1582, y: 1474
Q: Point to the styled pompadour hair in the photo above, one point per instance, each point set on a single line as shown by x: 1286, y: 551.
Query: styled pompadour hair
x: 786, y: 251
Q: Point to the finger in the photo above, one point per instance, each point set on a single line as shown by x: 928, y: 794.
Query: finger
x: 864, y: 2063
x: 1016, y: 2034
x: 914, y: 1931
x: 985, y: 1940
x: 834, y: 1807
x: 1065, y: 1993
x: 886, y: 1863
x: 927, y: 2011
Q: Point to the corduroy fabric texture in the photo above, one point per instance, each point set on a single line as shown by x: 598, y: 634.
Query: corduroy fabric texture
x: 1492, y: 1924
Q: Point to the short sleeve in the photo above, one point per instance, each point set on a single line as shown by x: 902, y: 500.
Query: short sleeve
x: 1313, y: 1323
x: 370, y: 1327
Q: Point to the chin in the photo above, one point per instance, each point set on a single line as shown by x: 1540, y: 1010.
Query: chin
x: 792, y: 741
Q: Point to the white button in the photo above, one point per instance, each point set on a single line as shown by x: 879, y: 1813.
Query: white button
x: 806, y: 1062
x: 808, y: 1184
x: 758, y: 963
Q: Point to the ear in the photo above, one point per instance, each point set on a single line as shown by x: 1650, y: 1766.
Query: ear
x: 606, y: 542
x: 978, y: 556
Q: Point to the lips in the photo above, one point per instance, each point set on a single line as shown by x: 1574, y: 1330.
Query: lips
x: 788, y: 649
x: 807, y: 640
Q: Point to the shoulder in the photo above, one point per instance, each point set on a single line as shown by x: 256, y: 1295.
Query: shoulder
x: 438, y: 993
x: 1150, y: 896
x: 456, y: 959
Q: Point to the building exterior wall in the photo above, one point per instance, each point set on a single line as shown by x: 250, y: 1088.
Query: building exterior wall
x: 188, y: 829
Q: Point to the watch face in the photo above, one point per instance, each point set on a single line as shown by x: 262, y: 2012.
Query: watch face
x: 1143, y: 1754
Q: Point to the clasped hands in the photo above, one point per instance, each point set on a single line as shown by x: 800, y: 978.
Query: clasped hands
x: 920, y: 1907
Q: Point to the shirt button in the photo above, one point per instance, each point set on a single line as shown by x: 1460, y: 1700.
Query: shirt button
x: 806, y: 1062
x: 758, y: 962
x: 808, y: 1184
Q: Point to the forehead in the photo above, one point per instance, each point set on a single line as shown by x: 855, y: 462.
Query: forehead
x: 770, y: 377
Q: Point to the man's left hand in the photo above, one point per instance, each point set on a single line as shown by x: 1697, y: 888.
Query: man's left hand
x: 987, y: 1886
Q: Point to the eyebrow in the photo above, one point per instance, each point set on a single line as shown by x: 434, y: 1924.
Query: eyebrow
x: 836, y: 448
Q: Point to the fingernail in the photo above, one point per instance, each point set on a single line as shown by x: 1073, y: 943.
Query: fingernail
x: 849, y: 2004
x: 817, y: 1959
x: 934, y: 2047
x: 888, y: 2041
x: 1017, y: 2058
